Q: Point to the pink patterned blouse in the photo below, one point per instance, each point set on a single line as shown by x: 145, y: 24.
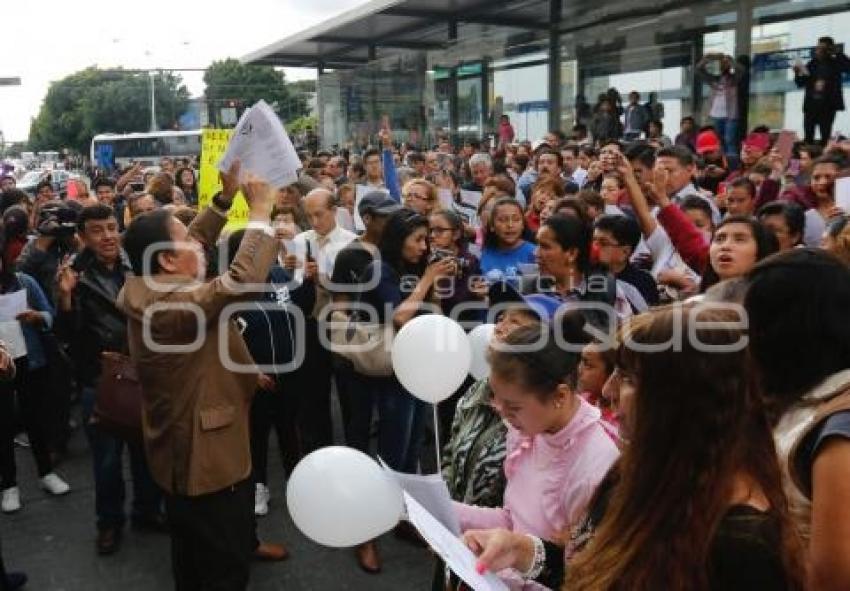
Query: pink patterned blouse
x: 550, y: 478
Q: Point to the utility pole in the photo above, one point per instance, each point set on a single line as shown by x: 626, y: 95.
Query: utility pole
x: 11, y: 81
x: 152, y: 75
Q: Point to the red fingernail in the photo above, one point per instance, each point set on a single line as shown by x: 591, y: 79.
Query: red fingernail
x: 480, y: 568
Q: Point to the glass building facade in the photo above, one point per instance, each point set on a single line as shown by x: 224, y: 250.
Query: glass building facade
x: 548, y: 78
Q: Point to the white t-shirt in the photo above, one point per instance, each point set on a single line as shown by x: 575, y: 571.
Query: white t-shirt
x: 719, y: 108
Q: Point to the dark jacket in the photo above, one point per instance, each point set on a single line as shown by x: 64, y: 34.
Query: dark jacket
x: 605, y: 126
x: 823, y: 83
x: 636, y: 118
x: 94, y: 324
x: 42, y: 265
x: 271, y: 328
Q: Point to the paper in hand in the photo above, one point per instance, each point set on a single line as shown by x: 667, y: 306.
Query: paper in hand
x: 446, y: 198
x: 842, y: 193
x: 451, y: 549
x: 12, y: 334
x: 431, y: 492
x: 12, y: 304
x: 263, y: 148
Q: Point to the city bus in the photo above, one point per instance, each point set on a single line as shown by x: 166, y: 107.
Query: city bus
x: 111, y: 150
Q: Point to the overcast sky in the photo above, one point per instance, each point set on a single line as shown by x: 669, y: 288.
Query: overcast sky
x: 49, y: 39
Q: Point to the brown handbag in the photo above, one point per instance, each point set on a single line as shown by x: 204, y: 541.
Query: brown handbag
x: 118, y: 398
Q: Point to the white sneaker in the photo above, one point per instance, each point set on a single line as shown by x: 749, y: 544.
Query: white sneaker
x: 11, y: 500
x: 54, y: 485
x: 261, y: 499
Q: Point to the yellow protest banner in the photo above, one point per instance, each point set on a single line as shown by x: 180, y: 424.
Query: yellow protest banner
x: 213, y: 145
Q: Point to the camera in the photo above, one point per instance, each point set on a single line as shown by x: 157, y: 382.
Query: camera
x: 57, y: 220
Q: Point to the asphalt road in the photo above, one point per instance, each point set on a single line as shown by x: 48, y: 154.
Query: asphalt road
x: 52, y: 540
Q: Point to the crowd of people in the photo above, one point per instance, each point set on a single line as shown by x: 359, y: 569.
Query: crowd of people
x: 645, y: 461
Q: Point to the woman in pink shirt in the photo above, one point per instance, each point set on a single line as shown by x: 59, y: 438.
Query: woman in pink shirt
x: 557, y: 448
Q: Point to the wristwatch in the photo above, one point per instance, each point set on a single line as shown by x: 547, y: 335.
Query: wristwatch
x: 220, y: 203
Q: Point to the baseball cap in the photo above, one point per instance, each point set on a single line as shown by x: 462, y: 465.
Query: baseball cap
x: 707, y: 141
x: 551, y: 310
x: 377, y: 202
x: 543, y: 305
x: 758, y: 140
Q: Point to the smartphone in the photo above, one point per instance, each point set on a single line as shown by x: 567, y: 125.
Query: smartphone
x: 793, y: 167
x: 137, y: 187
x: 438, y: 254
x: 785, y: 143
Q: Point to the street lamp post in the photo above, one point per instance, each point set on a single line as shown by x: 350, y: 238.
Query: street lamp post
x: 11, y: 81
x: 152, y: 75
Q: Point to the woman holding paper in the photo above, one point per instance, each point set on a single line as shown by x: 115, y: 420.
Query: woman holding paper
x: 696, y: 500
x: 557, y: 449
x: 26, y: 316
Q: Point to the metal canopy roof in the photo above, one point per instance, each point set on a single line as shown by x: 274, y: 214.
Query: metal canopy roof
x: 381, y: 27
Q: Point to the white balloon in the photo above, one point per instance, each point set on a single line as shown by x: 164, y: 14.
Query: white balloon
x: 479, y: 341
x: 340, y: 497
x: 431, y: 357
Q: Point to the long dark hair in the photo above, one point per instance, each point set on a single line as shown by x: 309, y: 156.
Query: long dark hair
x: 178, y: 179
x: 7, y: 271
x: 766, y: 245
x: 398, y: 227
x: 490, y: 238
x: 797, y: 305
x: 697, y: 422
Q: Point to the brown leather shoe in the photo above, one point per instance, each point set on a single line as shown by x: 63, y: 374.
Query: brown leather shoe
x: 269, y: 552
x: 368, y: 557
x: 108, y: 540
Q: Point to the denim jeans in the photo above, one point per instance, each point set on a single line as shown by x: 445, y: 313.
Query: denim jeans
x: 727, y: 129
x: 107, y: 456
x: 401, y: 418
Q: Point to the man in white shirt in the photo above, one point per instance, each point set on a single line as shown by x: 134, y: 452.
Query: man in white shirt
x: 311, y: 383
x: 324, y: 241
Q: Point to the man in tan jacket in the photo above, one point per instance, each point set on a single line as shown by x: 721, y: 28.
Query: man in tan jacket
x: 196, y: 409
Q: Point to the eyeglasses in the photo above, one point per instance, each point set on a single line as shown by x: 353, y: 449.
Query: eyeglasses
x: 418, y: 196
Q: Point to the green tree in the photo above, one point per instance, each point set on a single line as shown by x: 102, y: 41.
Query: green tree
x: 302, y: 125
x: 232, y: 81
x: 96, y: 101
x: 304, y: 86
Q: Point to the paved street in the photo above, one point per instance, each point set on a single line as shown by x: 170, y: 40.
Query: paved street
x: 52, y: 539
